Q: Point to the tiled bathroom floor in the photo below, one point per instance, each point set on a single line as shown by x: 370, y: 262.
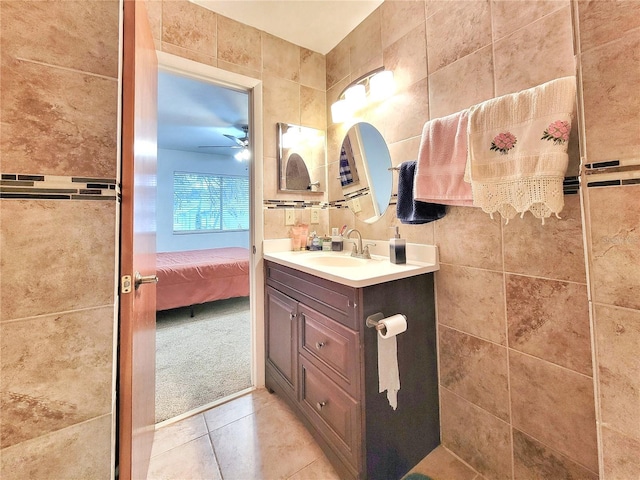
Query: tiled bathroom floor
x: 256, y: 437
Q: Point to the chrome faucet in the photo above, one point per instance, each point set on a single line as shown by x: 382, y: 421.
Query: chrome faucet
x: 358, y: 251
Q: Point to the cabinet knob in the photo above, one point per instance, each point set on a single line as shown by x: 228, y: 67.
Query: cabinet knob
x: 319, y: 345
x: 292, y: 315
x: 319, y: 405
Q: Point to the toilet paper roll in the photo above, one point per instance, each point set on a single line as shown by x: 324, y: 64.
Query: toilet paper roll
x: 388, y: 373
x: 394, y: 325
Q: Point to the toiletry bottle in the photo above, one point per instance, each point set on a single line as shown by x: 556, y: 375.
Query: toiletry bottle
x: 336, y: 240
x: 315, y: 243
x: 326, y: 243
x: 397, y: 249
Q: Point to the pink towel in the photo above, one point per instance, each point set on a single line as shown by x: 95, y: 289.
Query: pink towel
x: 441, y: 162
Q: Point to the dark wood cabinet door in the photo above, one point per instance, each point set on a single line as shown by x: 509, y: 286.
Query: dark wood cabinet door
x: 281, y: 335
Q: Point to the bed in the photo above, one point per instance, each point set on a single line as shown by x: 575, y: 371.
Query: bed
x: 198, y: 276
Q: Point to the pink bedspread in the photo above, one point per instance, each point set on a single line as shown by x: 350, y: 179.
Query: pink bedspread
x: 199, y: 276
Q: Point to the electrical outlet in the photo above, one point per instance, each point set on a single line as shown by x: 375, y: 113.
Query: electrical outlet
x: 355, y: 203
x: 289, y: 216
x: 315, y: 216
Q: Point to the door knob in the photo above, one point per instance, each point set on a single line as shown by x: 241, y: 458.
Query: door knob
x: 140, y: 279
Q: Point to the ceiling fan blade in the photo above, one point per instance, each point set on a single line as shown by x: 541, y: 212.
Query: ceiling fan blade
x: 219, y: 146
x: 235, y: 139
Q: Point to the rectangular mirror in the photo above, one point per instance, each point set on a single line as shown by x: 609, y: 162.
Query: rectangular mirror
x: 301, y: 158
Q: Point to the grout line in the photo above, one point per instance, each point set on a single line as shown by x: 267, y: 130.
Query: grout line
x: 623, y: 35
x: 461, y: 460
x: 506, y: 320
x: 509, y: 272
x: 514, y: 350
x: 476, y: 406
x: 591, y: 291
x: 215, y: 455
x: 67, y: 69
x: 553, y: 449
x: 53, y: 314
x: 55, y: 432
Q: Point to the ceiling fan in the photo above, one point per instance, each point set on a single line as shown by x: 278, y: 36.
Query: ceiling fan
x: 241, y: 142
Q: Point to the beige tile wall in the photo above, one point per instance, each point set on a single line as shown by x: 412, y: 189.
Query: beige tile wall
x: 59, y: 67
x: 610, y: 60
x: 58, y: 116
x: 293, y: 83
x: 517, y: 398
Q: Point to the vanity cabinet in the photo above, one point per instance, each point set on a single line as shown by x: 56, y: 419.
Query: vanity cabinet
x: 281, y: 337
x: 322, y: 359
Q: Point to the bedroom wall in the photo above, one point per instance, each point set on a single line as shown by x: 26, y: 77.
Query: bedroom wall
x: 170, y: 161
x: 294, y: 87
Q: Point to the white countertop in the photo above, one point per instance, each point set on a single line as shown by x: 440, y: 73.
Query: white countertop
x: 420, y: 259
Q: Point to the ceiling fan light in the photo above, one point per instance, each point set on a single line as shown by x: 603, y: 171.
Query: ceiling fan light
x: 242, y: 155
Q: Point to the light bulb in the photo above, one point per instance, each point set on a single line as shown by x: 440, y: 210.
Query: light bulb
x: 382, y: 85
x: 243, y: 155
x: 356, y: 96
x: 340, y: 111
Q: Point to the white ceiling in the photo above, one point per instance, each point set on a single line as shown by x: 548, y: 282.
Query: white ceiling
x: 318, y: 25
x: 193, y: 113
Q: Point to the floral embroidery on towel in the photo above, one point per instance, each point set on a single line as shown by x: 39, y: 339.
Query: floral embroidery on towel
x: 557, y: 132
x: 503, y: 142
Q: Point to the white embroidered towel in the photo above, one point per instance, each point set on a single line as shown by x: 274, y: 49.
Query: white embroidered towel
x: 517, y: 150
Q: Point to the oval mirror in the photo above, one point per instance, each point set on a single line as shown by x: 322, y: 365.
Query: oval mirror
x: 365, y: 172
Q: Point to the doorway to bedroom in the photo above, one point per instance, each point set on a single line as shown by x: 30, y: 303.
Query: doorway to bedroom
x: 203, y: 318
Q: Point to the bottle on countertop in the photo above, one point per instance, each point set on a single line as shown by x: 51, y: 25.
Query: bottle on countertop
x: 315, y: 243
x: 326, y: 243
x: 336, y: 240
x: 397, y: 248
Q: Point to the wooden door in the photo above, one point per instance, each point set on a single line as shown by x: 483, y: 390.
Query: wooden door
x: 136, y: 393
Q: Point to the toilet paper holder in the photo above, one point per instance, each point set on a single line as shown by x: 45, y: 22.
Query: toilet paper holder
x: 373, y: 321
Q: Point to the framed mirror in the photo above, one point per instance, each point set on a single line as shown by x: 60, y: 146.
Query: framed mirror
x: 301, y: 159
x: 365, y: 172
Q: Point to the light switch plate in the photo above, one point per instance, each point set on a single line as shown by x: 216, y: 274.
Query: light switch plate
x: 315, y: 216
x: 289, y: 216
x: 355, y: 203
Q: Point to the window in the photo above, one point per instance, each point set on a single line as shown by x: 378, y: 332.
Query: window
x: 205, y: 202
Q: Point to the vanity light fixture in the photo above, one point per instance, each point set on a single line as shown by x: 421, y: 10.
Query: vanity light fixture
x: 371, y: 87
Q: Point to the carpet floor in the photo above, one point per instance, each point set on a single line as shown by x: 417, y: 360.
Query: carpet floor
x: 201, y: 359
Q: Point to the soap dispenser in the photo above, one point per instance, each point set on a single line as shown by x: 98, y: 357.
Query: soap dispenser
x: 397, y: 248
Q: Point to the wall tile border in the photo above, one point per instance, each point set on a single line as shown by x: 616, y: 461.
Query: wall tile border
x: 55, y: 187
x: 613, y: 172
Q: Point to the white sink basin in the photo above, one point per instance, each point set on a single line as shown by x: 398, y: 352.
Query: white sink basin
x: 337, y: 261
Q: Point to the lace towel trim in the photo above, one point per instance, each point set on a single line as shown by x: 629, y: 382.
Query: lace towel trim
x: 542, y: 196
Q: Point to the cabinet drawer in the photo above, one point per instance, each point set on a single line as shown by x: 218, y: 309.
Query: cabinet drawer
x: 332, y: 346
x: 330, y: 298
x: 332, y: 411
